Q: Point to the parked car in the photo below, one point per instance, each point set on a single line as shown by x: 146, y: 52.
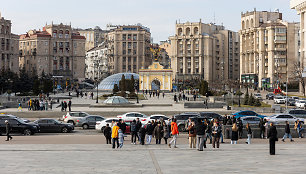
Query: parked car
x: 211, y: 115
x: 297, y: 112
x: 279, y: 100
x: 247, y: 113
x: 72, y: 117
x: 130, y: 116
x: 270, y: 96
x: 290, y: 101
x: 295, y: 97
x: 250, y: 119
x: 281, y: 118
x: 89, y: 121
x: 19, y: 126
x: 100, y: 125
x: 300, y: 103
x: 257, y: 96
x: 181, y: 119
x: 157, y: 117
x: 52, y: 125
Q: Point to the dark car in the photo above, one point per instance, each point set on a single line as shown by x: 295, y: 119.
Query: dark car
x: 52, y: 125
x: 270, y: 96
x: 182, y: 119
x: 89, y: 121
x: 19, y: 126
x: 5, y: 116
x: 211, y: 115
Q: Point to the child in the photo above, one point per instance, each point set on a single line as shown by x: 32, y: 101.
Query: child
x: 120, y: 135
x: 107, y: 134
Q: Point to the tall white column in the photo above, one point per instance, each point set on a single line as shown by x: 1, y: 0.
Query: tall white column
x: 163, y: 82
x: 169, y: 83
x: 148, y: 82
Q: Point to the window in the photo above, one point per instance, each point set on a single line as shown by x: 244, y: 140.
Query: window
x: 134, y: 36
x: 130, y: 115
x: 280, y: 38
x: 42, y: 121
x: 124, y: 37
x: 90, y: 118
x: 280, y: 30
x: 51, y: 121
x: 99, y: 119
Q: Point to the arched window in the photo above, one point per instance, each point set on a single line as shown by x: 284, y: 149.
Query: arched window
x: 187, y: 31
x: 196, y: 30
x: 247, y: 24
x: 54, y: 33
x: 179, y: 31
x: 243, y: 25
x: 252, y: 23
x: 66, y: 34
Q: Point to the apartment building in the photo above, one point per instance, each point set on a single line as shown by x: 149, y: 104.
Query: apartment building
x: 204, y: 51
x: 94, y: 36
x: 9, y: 47
x: 129, y: 48
x: 55, y: 50
x: 269, y: 48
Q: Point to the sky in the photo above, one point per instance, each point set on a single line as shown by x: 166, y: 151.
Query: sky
x: 159, y: 15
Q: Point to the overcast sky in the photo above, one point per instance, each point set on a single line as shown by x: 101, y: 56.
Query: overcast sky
x: 158, y: 15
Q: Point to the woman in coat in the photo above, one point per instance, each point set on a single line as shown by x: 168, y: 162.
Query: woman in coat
x: 158, y: 133
x: 192, y: 135
x: 234, y: 138
x: 166, y: 132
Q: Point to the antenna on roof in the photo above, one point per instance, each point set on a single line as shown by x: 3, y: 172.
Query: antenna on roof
x: 214, y: 18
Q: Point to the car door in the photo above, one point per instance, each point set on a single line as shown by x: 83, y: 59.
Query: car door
x: 43, y: 124
x: 91, y: 120
x: 16, y: 126
x: 290, y: 118
x: 53, y: 126
x: 2, y: 127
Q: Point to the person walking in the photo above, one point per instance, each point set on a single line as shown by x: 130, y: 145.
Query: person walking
x: 262, y: 128
x: 175, y: 133
x: 149, y: 130
x: 272, y: 135
x: 234, y: 137
x: 249, y: 130
x: 287, y: 132
x: 115, y: 136
x: 8, y: 130
x: 166, y: 132
x: 108, y: 134
x: 133, y: 129
x: 200, y: 131
x: 69, y: 105
x: 192, y: 135
x: 216, y: 133
x: 19, y: 107
x: 158, y: 133
x: 65, y: 106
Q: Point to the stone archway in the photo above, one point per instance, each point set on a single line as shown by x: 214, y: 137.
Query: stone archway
x: 155, y: 84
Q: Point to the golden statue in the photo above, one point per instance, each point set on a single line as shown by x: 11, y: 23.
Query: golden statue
x: 155, y: 52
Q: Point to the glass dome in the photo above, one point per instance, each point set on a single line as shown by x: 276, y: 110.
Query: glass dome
x: 116, y: 100
x: 108, y: 83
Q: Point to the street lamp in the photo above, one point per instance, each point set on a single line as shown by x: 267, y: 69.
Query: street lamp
x: 97, y: 101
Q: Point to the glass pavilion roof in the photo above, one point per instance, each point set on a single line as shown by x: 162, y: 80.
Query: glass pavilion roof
x: 109, y: 82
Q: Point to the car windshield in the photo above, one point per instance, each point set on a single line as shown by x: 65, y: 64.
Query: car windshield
x: 20, y: 120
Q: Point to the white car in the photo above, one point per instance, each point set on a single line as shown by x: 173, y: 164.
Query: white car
x: 258, y: 96
x: 72, y: 117
x: 100, y: 125
x: 157, y: 117
x: 300, y: 103
x: 130, y: 116
x: 281, y: 118
x: 279, y: 100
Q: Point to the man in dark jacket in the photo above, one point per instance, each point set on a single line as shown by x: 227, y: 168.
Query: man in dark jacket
x: 122, y: 125
x: 240, y: 128
x: 272, y: 135
x: 262, y: 128
x: 142, y: 134
x: 287, y: 132
x: 138, y: 126
x: 108, y: 134
x: 149, y: 130
x: 8, y: 131
x: 133, y: 129
x: 200, y: 131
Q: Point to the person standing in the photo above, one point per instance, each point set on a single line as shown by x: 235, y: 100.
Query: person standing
x: 262, y: 128
x: 175, y: 98
x: 65, y: 106
x: 69, y: 105
x: 149, y: 130
x: 19, y: 107
x: 192, y: 135
x: 166, y: 132
x: 272, y: 135
x: 142, y: 135
x: 249, y: 130
x: 133, y: 128
x: 108, y: 134
x: 8, y: 130
x: 115, y: 136
x: 120, y: 137
x: 287, y: 132
x: 163, y: 94
x: 299, y: 128
x: 175, y: 133
x: 234, y: 137
x: 158, y: 133
x: 240, y: 128
x: 46, y: 105
x: 216, y: 133
x: 208, y: 131
x: 266, y: 129
x: 138, y: 126
x: 200, y: 131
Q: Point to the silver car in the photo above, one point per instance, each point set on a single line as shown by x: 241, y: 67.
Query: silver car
x: 250, y: 120
x: 72, y: 117
x: 282, y: 118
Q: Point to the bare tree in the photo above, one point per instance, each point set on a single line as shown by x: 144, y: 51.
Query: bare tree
x: 298, y: 74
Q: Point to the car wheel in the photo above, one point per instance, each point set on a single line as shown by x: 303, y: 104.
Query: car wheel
x: 71, y: 122
x: 181, y: 128
x: 27, y: 132
x: 64, y: 130
x: 85, y: 126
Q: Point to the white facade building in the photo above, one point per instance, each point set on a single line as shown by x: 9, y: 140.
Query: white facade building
x: 97, y: 62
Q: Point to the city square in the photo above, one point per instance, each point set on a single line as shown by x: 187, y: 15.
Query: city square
x: 152, y: 87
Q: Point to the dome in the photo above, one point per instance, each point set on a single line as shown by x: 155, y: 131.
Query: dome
x: 116, y: 100
x: 108, y: 83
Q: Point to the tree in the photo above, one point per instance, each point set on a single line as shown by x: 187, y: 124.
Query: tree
x: 36, y: 87
x: 251, y: 100
x: 298, y: 74
x: 122, y: 85
x: 115, y: 89
x: 204, y: 87
x: 257, y: 103
x: 131, y: 85
x: 246, y: 99
x: 239, y: 93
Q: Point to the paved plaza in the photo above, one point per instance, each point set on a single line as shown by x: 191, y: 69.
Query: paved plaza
x: 98, y: 158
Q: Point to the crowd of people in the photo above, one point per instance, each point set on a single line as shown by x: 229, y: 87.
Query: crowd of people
x: 39, y: 104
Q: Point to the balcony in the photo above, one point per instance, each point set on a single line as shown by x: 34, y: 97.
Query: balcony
x: 62, y: 73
